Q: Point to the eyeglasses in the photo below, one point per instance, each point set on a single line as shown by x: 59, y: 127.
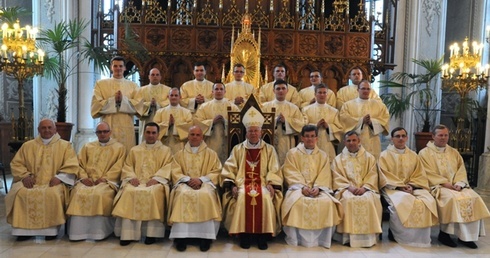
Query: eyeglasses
x: 102, y: 131
x: 314, y: 76
x: 400, y: 136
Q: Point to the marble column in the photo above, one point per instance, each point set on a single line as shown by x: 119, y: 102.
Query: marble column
x: 86, y: 81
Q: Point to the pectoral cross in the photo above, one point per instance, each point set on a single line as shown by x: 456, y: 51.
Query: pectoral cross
x: 252, y: 165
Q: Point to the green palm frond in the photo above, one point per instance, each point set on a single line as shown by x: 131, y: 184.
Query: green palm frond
x: 418, y: 90
x: 10, y: 15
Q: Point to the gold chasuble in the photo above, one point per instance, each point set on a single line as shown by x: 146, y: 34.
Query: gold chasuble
x: 417, y: 210
x: 349, y: 92
x: 144, y: 203
x: 362, y: 214
x: 447, y: 166
x: 189, y: 205
x: 216, y: 135
x: 316, y: 112
x: 118, y: 116
x: 97, y: 161
x: 173, y: 135
x: 42, y: 206
x: 284, y: 132
x: 309, y: 170
x: 251, y: 169
x: 351, y: 117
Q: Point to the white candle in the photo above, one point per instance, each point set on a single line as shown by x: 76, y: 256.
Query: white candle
x: 24, y: 52
x: 4, y: 51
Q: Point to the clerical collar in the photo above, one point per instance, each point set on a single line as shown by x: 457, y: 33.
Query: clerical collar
x: 176, y: 106
x: 150, y: 145
x: 363, y: 100
x: 219, y: 100
x: 194, y: 149
x: 280, y: 101
x: 401, y: 151
x: 440, y: 148
x: 353, y: 154
x: 309, y: 151
x: 104, y: 143
x: 253, y: 146
x: 319, y: 104
x: 47, y: 141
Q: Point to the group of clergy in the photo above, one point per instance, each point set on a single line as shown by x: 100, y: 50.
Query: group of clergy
x: 180, y: 174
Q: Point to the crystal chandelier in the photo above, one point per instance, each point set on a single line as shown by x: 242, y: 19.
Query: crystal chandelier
x: 21, y: 59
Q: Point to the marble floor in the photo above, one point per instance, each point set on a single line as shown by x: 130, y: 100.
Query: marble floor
x: 223, y: 247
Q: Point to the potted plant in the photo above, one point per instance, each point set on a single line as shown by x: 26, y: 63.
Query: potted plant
x: 66, y: 49
x: 419, y: 93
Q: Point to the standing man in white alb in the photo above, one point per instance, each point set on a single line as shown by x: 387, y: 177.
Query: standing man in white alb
x: 308, y: 94
x: 114, y: 101
x: 267, y: 90
x: 197, y: 91
x: 238, y: 91
x: 154, y: 96
x: 349, y: 92
x: 173, y: 121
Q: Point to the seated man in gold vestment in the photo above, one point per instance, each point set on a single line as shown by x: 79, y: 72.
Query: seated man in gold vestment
x: 42, y: 169
x: 309, y: 211
x: 356, y: 186
x: 252, y: 205
x: 412, y: 208
x: 195, y: 209
x: 91, y: 201
x: 461, y: 210
x: 140, y: 204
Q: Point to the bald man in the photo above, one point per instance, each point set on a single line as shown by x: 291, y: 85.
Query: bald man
x: 42, y: 169
x: 154, y: 96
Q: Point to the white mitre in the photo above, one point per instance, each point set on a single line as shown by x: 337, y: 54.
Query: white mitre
x: 253, y: 117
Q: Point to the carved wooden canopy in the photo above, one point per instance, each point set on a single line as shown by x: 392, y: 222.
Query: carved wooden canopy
x: 331, y: 36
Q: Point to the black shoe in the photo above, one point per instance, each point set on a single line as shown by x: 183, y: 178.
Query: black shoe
x: 469, y: 244
x: 124, y: 242
x: 49, y: 238
x: 23, y: 238
x: 244, y: 241
x: 390, y: 236
x: 445, y: 239
x: 262, y: 243
x: 150, y: 240
x: 205, y: 245
x: 180, y: 244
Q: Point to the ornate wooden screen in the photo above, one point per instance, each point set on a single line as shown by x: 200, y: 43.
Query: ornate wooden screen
x: 331, y: 36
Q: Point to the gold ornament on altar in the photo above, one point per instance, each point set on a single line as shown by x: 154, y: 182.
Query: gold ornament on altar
x: 245, y: 50
x: 21, y: 59
x: 464, y: 74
